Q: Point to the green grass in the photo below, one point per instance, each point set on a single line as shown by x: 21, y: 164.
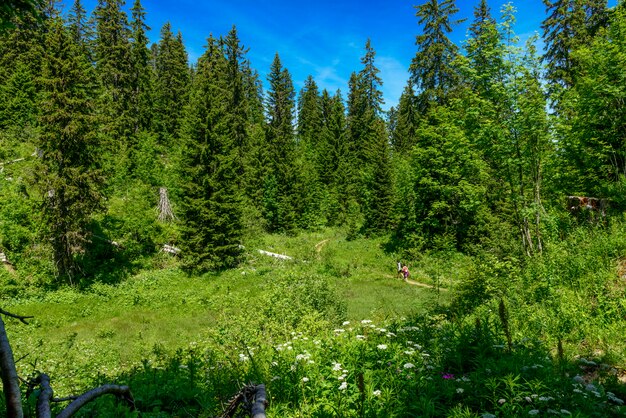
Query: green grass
x: 188, y: 343
x: 168, y: 309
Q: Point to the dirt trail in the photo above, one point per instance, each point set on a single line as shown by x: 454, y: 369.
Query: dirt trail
x: 319, y: 245
x: 425, y: 285
x: 414, y: 283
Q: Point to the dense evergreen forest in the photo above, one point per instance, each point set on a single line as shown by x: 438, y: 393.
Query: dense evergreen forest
x: 486, y: 143
x: 115, y: 151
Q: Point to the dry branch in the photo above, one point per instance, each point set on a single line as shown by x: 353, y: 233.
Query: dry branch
x: 45, y: 396
x: 165, y: 207
x: 122, y: 392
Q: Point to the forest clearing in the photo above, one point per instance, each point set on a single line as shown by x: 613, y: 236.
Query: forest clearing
x: 181, y: 231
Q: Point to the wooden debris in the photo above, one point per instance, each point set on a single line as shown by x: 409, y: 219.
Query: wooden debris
x: 165, y: 208
x: 170, y: 249
x: 281, y: 256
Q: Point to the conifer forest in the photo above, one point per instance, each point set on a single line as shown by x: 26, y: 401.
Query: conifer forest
x: 186, y: 238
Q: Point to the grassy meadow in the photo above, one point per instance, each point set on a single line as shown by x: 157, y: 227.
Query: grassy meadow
x: 332, y: 333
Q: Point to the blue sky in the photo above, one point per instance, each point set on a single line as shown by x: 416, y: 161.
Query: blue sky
x: 324, y: 38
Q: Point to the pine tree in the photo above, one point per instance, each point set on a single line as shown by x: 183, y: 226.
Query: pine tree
x: 210, y: 194
x: 279, y: 193
x: 113, y: 66
x: 141, y: 76
x: 570, y: 24
x: 431, y: 69
x: 403, y: 136
x: 367, y: 134
x: 69, y: 177
x: 21, y: 50
x: 310, y: 164
x: 82, y: 32
x: 171, y: 83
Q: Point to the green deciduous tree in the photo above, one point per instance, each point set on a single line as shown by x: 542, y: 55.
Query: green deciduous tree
x: 591, y: 129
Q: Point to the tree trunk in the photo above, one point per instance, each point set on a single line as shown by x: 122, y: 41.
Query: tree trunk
x: 10, y: 380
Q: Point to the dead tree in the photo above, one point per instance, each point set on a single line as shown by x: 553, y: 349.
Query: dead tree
x: 165, y: 208
x: 11, y: 386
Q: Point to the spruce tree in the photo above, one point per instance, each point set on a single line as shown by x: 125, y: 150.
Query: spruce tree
x: 211, y: 200
x: 141, y: 75
x: 279, y: 189
x: 569, y: 24
x: 309, y: 126
x: 403, y: 135
x: 367, y: 136
x: 171, y: 83
x: 432, y: 70
x: 69, y: 177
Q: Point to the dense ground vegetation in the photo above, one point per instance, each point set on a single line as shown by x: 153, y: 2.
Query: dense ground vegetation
x: 135, y: 191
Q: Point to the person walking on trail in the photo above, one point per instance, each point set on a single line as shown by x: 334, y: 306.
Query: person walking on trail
x: 405, y: 272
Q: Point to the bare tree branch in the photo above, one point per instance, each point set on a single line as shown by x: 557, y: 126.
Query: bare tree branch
x: 122, y: 392
x: 20, y: 317
x: 43, y: 400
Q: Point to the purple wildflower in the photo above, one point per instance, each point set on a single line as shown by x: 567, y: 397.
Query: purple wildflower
x: 447, y: 376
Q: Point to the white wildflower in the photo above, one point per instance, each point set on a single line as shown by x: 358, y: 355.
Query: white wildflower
x: 409, y: 352
x: 382, y: 346
x: 346, y: 323
x: 339, y: 330
x: 366, y: 321
x: 360, y: 337
x: 409, y: 365
x: 501, y: 401
x: 305, y: 379
x: 611, y: 397
x: 243, y: 357
x: 460, y: 390
x: 336, y: 366
x: 343, y: 386
x: 376, y: 393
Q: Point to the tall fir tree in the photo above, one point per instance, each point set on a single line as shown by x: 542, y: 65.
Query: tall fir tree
x: 309, y: 127
x: 569, y: 24
x: 367, y: 134
x: 141, y: 75
x: 432, y: 70
x: 171, y: 83
x: 279, y: 188
x: 211, y: 200
x: 407, y: 119
x: 69, y: 177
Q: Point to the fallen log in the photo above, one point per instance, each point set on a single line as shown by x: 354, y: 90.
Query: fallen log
x: 281, y: 256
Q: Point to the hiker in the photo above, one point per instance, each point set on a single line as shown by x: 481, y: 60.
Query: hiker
x: 405, y: 272
x: 399, y: 269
